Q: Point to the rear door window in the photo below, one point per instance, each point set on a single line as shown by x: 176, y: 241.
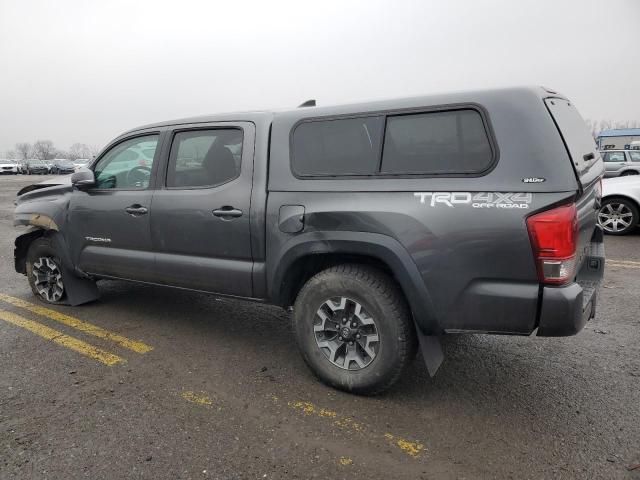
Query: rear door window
x: 204, y: 158
x: 635, y: 156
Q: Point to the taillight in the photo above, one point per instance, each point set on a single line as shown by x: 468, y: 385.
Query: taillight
x: 554, y: 238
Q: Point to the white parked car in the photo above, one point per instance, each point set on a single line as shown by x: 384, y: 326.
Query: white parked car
x: 9, y: 167
x: 81, y: 163
x: 620, y: 210
x: 49, y: 164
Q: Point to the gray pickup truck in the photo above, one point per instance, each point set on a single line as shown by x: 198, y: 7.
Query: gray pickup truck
x: 381, y: 225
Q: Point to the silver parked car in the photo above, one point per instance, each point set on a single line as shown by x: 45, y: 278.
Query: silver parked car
x: 620, y: 205
x: 618, y: 163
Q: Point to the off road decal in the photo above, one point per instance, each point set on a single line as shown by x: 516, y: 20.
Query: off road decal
x: 497, y: 200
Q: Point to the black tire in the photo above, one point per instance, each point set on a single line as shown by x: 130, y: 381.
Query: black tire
x: 42, y: 247
x: 629, y: 172
x: 610, y: 227
x: 382, y: 299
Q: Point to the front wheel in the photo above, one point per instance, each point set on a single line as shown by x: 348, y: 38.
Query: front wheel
x: 44, y: 272
x: 354, y: 329
x: 618, y: 216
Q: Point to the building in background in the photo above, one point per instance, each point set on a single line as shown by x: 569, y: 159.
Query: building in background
x: 619, y: 138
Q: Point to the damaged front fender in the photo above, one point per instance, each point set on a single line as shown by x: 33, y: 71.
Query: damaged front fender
x: 43, y: 211
x: 37, y: 220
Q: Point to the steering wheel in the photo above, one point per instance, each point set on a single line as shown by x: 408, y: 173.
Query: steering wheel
x: 138, y: 175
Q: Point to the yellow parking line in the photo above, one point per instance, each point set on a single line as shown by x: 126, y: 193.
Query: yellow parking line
x: 621, y: 265
x: 198, y: 398
x: 78, y: 324
x: 627, y: 262
x: 410, y: 448
x: 61, y: 339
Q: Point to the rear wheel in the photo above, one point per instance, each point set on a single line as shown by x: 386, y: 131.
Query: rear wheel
x: 44, y: 272
x: 618, y: 216
x: 354, y: 329
x: 629, y: 172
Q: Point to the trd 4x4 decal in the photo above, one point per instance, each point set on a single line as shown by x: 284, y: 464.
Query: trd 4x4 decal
x: 476, y: 200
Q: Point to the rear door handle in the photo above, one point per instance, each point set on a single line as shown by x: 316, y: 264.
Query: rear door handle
x: 136, y: 210
x: 227, y: 212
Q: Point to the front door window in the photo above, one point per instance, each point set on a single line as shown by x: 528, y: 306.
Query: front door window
x: 128, y: 165
x: 613, y: 157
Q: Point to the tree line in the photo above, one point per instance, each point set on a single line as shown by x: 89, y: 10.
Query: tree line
x: 46, y: 150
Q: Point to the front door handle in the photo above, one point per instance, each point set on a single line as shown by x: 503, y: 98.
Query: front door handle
x: 227, y: 212
x: 136, y: 210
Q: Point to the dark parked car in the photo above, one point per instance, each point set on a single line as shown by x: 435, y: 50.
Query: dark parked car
x: 381, y: 225
x: 62, y: 166
x: 36, y: 167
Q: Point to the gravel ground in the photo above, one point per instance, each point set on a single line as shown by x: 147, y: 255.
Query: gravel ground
x: 224, y: 394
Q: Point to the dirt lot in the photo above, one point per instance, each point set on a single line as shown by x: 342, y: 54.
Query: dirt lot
x: 154, y: 383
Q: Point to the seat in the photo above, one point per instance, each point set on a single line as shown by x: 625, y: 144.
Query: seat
x: 219, y: 165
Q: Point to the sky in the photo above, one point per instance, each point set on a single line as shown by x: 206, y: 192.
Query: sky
x: 85, y: 71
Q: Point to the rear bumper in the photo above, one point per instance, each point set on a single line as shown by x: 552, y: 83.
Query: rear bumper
x: 565, y: 310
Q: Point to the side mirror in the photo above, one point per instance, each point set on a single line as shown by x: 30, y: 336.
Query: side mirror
x: 83, y: 178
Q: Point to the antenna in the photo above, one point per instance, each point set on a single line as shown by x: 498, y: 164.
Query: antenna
x: 308, y: 103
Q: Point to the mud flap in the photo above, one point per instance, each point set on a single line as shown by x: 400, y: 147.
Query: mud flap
x: 431, y: 351
x: 79, y: 290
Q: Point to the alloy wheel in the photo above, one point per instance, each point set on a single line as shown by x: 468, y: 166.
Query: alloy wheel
x: 346, y: 334
x: 615, y: 217
x: 48, y: 279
